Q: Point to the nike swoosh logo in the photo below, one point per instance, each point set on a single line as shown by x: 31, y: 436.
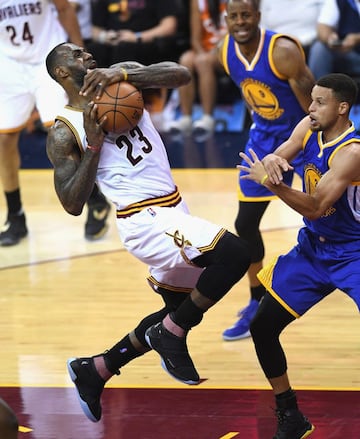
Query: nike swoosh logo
x: 100, y: 215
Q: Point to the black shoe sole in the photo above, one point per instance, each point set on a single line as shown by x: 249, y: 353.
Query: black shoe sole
x: 308, y: 433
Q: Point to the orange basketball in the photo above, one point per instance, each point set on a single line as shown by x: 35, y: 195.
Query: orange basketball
x: 123, y: 106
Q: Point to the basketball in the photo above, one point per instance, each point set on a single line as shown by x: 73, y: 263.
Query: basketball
x: 123, y: 106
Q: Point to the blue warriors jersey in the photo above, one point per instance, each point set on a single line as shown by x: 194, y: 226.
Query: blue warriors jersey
x: 274, y: 106
x: 341, y: 222
x: 327, y: 255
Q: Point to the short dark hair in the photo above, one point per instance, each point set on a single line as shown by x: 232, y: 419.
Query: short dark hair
x: 52, y: 60
x: 255, y: 3
x: 344, y: 87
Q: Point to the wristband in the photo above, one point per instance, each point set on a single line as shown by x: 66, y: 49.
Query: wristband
x: 138, y: 37
x: 125, y: 73
x: 265, y: 177
x: 94, y: 148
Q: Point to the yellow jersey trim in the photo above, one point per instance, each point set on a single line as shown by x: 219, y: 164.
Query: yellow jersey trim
x: 265, y: 276
x: 224, y: 51
x: 170, y: 200
x: 271, y: 49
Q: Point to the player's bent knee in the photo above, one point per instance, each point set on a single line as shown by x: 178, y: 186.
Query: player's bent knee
x: 234, y: 252
x: 231, y: 251
x: 225, y: 265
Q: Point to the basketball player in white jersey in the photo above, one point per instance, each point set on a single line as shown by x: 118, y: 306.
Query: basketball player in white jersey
x: 28, y: 31
x: 193, y: 263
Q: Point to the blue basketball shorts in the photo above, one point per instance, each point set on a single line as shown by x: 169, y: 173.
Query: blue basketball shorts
x: 312, y: 270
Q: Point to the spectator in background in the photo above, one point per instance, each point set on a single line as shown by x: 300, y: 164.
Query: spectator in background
x: 142, y: 31
x: 338, y: 46
x: 292, y: 17
x: 207, y: 27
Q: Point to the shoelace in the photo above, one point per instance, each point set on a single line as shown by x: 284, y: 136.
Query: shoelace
x: 285, y: 423
x: 280, y: 416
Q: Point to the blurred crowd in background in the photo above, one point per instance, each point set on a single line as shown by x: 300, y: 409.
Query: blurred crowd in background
x: 187, y: 31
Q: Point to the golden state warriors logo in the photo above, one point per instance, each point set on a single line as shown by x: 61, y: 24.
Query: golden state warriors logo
x: 311, y: 178
x: 261, y: 99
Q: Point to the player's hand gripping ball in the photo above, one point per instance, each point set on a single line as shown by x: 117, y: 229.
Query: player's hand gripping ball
x: 123, y: 106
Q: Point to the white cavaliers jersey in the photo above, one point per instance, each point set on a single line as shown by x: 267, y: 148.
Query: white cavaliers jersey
x: 29, y: 30
x: 133, y: 166
x: 153, y: 221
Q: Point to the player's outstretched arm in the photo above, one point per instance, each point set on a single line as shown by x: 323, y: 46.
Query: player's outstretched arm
x: 161, y: 75
x: 343, y: 171
x: 273, y: 165
x: 278, y: 162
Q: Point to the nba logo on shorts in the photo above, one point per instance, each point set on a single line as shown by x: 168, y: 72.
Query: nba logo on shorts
x: 151, y: 211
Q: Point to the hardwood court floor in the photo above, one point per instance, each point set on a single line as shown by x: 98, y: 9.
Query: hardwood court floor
x: 63, y: 296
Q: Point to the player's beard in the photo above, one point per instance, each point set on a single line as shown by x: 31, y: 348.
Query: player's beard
x: 79, y: 76
x: 253, y: 36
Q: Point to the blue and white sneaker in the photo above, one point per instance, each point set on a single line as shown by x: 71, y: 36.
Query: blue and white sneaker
x: 241, y: 329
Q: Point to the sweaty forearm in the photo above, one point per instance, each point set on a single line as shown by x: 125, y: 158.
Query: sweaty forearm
x: 299, y: 201
x: 74, y: 192
x: 161, y: 75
